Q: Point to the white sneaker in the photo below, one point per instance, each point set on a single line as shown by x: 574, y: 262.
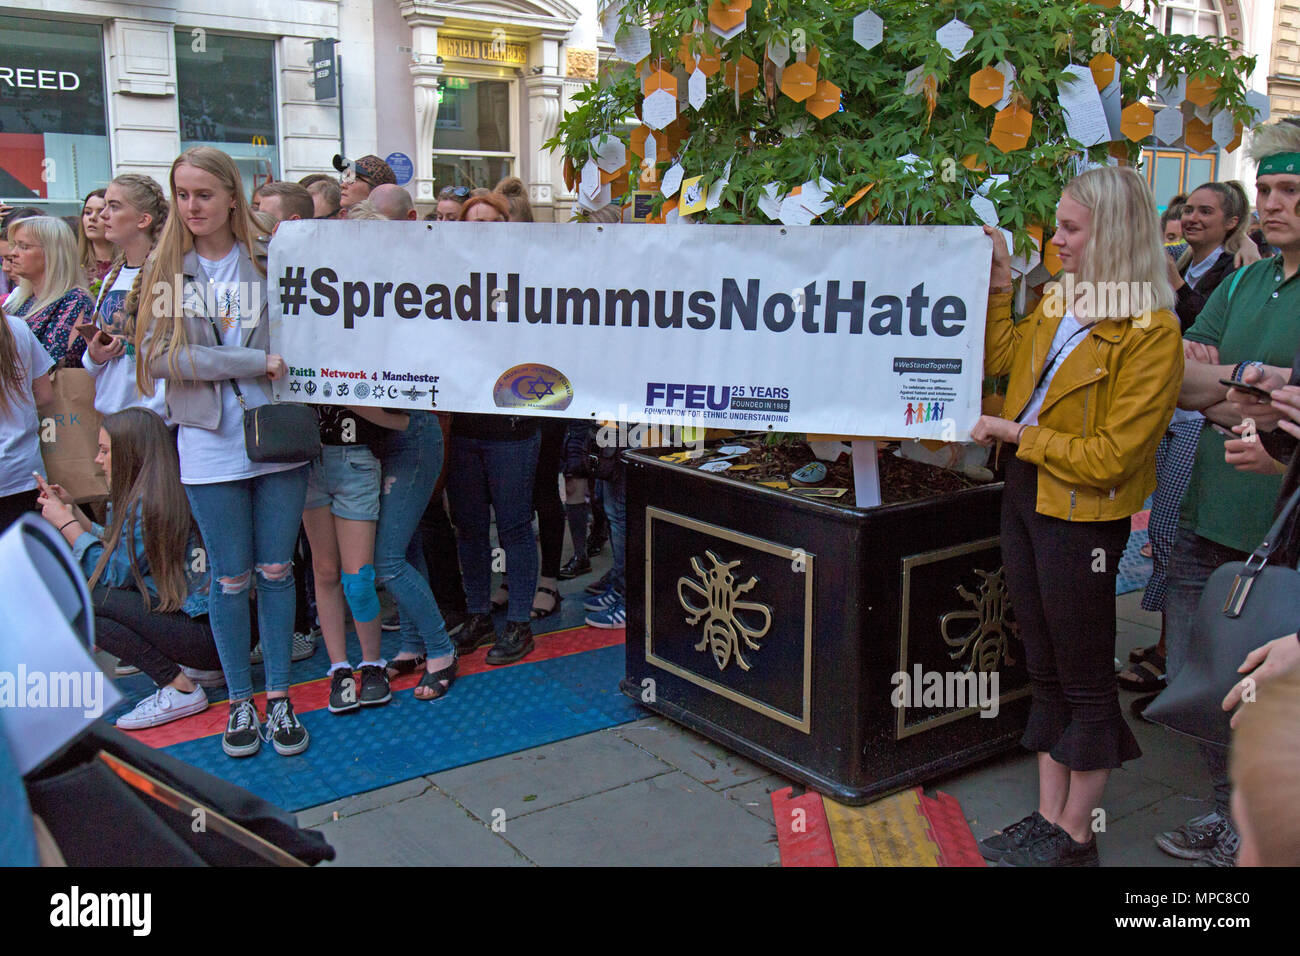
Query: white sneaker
x: 205, y: 678
x: 162, y: 707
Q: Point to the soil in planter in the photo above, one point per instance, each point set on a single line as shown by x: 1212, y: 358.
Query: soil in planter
x: 901, y: 479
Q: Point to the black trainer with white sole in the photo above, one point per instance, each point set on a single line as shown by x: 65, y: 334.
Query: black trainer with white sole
x: 243, y: 736
x: 343, y: 691
x: 287, y: 734
x: 374, y: 686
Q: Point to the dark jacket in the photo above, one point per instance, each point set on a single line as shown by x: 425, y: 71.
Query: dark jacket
x: 1189, y: 302
x: 1283, y: 447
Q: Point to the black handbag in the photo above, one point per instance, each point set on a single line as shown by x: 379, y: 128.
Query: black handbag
x: 281, y: 434
x: 1244, y: 606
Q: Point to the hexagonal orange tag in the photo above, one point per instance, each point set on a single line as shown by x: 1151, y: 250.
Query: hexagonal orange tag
x: 1137, y: 121
x: 824, y: 101
x: 641, y: 134
x: 710, y: 63
x: 1201, y: 89
x: 987, y: 85
x: 660, y: 80
x: 799, y: 81
x: 747, y: 71
x: 1236, y: 139
x: 1104, y: 67
x: 1197, y: 135
x: 727, y: 14
x: 1011, y: 128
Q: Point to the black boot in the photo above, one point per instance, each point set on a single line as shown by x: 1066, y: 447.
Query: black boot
x: 477, y: 632
x: 576, y: 566
x: 516, y: 642
x: 599, y: 534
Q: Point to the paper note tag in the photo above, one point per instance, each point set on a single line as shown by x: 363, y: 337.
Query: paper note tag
x: 1113, y: 106
x: 778, y: 485
x: 1009, y: 71
x: 609, y: 152
x: 868, y: 29
x: 715, y: 194
x: 795, y: 213
x: 697, y: 89
x: 694, y: 195
x: 672, y: 180
x: 820, y: 492
x: 590, y: 177
x: 659, y: 109
x: 778, y: 51
x: 1172, y: 90
x: 1169, y: 125
x: 733, y: 32
x: 913, y: 80
x: 680, y: 456
x: 593, y: 201
x: 769, y: 204
x: 744, y: 467
x: 985, y: 209
x: 734, y: 450
x: 1085, y: 119
x: 715, y: 466
x: 634, y: 45
x: 1221, y: 128
x: 993, y: 182
x: 1260, y: 104
x: 954, y: 36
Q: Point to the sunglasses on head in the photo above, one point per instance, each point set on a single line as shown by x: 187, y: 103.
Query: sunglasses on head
x: 460, y: 193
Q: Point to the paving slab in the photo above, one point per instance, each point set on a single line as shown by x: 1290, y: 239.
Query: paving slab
x: 361, y: 802
x: 1128, y: 607
x: 547, y: 776
x: 711, y: 764
x: 1130, y: 840
x: 427, y: 830
x: 756, y: 795
x: 668, y: 820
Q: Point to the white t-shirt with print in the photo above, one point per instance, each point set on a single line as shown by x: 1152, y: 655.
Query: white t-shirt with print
x: 208, y: 457
x: 115, y: 387
x: 20, y: 444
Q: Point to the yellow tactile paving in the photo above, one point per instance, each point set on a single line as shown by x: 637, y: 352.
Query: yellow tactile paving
x: 890, y: 832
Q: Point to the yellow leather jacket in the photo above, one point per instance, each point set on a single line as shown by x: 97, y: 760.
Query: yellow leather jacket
x: 1105, y: 411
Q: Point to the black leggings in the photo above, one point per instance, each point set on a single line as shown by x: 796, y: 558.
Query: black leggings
x: 546, y: 496
x: 1061, y: 575
x: 156, y: 643
x: 13, y: 507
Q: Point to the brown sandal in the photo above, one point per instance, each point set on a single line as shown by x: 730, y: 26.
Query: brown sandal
x: 404, y: 666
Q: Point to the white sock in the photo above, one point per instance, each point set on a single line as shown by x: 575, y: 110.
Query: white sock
x: 339, y: 666
x: 379, y: 663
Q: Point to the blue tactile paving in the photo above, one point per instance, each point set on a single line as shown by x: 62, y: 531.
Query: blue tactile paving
x: 486, y: 715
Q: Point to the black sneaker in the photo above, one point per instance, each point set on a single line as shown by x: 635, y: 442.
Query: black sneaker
x: 478, y: 631
x: 343, y: 691
x: 575, y: 567
x: 516, y: 642
x: 600, y: 587
x: 597, y: 538
x: 243, y: 736
x: 287, y: 735
x: 1224, y: 852
x: 455, y: 621
x: 1055, y: 848
x: 374, y: 686
x: 1195, y: 839
x: 1019, y: 834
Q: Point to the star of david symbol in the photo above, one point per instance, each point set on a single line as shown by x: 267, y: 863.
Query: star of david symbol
x: 540, y: 387
x: 295, y: 386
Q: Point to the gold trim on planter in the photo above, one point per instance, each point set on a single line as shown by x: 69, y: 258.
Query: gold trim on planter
x: 910, y: 562
x: 799, y: 722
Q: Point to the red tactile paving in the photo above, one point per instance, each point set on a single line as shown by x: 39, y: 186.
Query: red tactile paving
x: 949, y: 829
x: 809, y: 844
x: 314, y: 695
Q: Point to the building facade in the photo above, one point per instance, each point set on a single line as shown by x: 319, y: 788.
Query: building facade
x: 456, y: 92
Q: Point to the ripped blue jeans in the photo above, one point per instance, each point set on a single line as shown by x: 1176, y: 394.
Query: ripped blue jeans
x: 411, y: 461
x: 251, y: 525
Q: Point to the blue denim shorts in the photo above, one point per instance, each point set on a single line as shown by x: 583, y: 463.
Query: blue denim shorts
x: 345, y: 477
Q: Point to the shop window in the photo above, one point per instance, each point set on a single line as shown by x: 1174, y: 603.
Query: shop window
x: 53, y: 130
x: 1173, y: 171
x: 472, y: 142
x: 227, y: 98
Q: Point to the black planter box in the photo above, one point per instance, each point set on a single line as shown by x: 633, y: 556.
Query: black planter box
x: 776, y: 626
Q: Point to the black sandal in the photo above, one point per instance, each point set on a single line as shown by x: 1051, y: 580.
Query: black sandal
x: 538, y: 613
x: 403, y: 666
x: 434, y: 680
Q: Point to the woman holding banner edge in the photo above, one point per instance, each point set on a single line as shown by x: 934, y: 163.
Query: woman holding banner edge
x: 1088, y: 398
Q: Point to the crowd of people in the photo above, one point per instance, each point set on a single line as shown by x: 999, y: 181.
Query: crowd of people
x: 1103, y: 411
x: 204, y: 561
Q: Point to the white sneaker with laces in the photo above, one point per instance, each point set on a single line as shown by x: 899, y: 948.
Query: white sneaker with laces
x: 162, y: 707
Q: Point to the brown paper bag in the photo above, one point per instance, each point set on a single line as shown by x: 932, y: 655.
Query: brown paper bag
x: 69, y: 430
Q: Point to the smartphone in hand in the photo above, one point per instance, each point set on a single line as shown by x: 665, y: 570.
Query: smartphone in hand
x: 1262, y: 394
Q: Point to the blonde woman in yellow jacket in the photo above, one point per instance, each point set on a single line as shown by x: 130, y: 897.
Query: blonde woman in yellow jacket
x: 1094, y: 376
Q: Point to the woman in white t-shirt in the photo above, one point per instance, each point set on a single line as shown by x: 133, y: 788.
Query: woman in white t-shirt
x: 133, y: 218
x: 202, y: 322
x: 24, y: 384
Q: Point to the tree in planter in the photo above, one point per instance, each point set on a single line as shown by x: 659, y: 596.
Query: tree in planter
x: 907, y: 133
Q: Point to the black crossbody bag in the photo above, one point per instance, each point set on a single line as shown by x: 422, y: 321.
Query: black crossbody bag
x: 1245, y: 604
x: 279, y: 434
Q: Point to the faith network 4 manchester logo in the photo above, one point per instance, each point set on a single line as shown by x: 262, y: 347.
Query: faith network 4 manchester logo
x: 724, y: 631
x: 532, y: 386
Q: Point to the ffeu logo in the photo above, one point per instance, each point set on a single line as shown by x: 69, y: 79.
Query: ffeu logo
x: 532, y: 386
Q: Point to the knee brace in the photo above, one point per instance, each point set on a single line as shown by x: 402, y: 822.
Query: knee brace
x: 359, y: 592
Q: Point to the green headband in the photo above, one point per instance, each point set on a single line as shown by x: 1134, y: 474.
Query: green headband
x: 1279, y: 163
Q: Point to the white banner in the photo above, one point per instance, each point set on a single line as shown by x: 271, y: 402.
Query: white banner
x: 855, y: 330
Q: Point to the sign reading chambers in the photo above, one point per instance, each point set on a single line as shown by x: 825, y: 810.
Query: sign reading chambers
x: 850, y: 330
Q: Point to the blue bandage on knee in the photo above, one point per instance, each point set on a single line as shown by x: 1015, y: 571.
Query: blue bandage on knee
x: 359, y: 592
